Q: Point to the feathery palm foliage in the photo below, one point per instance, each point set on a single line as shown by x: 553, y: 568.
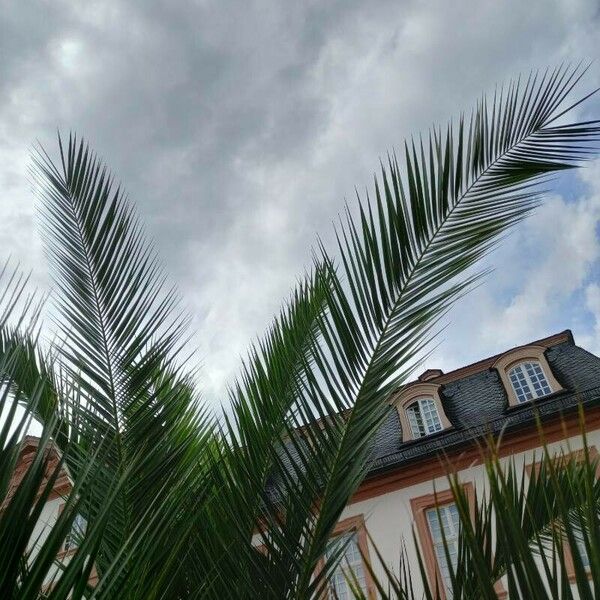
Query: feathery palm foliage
x: 176, y: 497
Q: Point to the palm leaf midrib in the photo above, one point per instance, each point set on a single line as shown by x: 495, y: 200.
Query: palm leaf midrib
x: 388, y: 320
x: 103, y: 328
x: 423, y: 254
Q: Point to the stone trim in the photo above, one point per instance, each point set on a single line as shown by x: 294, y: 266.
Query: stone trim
x: 355, y: 524
x: 423, y: 503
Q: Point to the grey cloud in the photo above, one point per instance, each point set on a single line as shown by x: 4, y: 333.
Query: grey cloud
x: 239, y: 128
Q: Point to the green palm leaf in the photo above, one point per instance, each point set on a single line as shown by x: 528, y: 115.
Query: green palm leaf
x: 120, y: 331
x: 432, y: 218
x: 27, y: 559
x: 431, y: 222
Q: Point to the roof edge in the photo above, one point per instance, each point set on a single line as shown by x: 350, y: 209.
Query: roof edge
x: 486, y: 363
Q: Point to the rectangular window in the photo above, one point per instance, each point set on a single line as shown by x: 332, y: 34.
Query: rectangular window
x: 436, y: 517
x: 350, y: 567
x: 352, y: 533
x: 443, y: 524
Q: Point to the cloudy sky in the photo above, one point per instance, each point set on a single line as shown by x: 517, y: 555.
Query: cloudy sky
x: 239, y: 128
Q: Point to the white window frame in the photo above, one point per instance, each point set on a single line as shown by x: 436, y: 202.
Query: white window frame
x: 432, y: 408
x: 531, y: 389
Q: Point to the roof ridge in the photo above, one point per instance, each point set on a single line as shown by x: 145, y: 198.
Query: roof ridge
x: 486, y: 363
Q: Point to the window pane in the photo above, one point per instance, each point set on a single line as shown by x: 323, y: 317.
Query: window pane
x: 430, y: 415
x: 538, y: 379
x: 519, y: 383
x: 416, y: 420
x: 423, y: 417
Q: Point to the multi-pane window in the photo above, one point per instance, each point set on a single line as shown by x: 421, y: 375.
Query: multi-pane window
x: 75, y: 534
x: 444, y: 518
x: 585, y: 559
x: 349, y: 567
x: 529, y: 381
x: 423, y: 417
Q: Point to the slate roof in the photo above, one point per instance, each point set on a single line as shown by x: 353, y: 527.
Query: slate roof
x: 476, y: 403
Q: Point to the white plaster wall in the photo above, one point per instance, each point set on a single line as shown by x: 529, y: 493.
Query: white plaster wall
x: 40, y: 533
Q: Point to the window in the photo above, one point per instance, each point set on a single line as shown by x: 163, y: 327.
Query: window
x: 420, y: 410
x: 350, y: 565
x: 436, y: 513
x: 74, y: 536
x: 423, y: 417
x: 444, y: 518
x: 528, y: 381
x: 526, y: 374
x: 429, y: 524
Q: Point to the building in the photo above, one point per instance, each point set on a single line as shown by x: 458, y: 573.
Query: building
x: 53, y: 505
x: 448, y: 413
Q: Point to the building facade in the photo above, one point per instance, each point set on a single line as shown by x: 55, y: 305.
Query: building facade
x: 52, y: 508
x: 446, y: 415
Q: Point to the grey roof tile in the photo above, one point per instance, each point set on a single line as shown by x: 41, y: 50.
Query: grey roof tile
x: 477, y: 405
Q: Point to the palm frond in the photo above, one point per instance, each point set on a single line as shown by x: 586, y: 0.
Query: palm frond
x: 431, y: 219
x: 120, y: 332
x: 28, y: 555
x: 297, y: 442
x: 400, y: 257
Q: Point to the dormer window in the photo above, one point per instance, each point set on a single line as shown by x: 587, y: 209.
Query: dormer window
x: 420, y: 410
x: 423, y: 417
x: 526, y: 375
x: 528, y: 381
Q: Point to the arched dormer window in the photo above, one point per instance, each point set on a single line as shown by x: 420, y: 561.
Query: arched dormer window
x: 526, y: 375
x: 420, y: 410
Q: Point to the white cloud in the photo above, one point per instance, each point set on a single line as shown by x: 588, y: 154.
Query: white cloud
x: 557, y: 248
x: 591, y: 340
x: 541, y: 271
